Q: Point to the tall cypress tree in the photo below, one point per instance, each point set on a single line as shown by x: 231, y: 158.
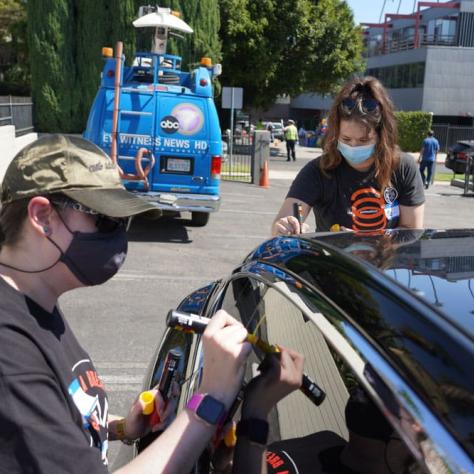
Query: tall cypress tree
x: 204, y: 18
x: 66, y: 37
x: 90, y: 37
x: 98, y: 24
x: 51, y: 38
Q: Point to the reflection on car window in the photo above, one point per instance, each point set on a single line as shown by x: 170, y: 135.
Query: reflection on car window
x: 273, y: 317
x: 305, y: 438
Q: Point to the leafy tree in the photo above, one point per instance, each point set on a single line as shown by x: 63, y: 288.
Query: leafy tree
x: 14, y: 46
x: 66, y: 50
x: 204, y: 18
x: 66, y: 55
x: 98, y: 24
x: 53, y: 69
x: 276, y: 47
x: 11, y: 11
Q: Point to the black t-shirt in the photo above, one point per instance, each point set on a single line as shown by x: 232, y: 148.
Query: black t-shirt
x: 353, y: 199
x: 53, y: 407
x: 317, y: 453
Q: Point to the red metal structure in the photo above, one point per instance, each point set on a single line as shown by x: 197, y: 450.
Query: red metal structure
x: 429, y: 5
x: 417, y: 16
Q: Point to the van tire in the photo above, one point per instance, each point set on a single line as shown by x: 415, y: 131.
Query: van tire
x: 199, y: 219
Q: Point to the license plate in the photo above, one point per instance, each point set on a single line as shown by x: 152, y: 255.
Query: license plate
x: 181, y: 165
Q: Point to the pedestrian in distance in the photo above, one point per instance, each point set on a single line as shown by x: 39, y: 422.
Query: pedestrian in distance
x: 270, y: 129
x: 302, y: 136
x: 362, y: 181
x: 427, y: 158
x: 321, y: 132
x: 63, y: 223
x: 291, y: 135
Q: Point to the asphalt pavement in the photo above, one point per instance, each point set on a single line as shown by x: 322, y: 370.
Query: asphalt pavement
x: 121, y: 322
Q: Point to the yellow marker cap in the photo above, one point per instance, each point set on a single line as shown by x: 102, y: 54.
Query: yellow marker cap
x: 252, y: 338
x: 148, y: 400
x: 230, y: 438
x: 335, y: 228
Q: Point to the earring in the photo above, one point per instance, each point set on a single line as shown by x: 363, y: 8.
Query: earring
x: 46, y: 230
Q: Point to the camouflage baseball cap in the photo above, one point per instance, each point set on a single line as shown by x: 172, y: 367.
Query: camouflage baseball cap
x: 74, y: 167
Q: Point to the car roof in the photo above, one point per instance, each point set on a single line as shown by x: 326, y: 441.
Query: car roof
x: 395, y: 288
x: 435, y: 266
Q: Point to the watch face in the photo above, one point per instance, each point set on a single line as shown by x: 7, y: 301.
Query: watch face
x: 210, y: 410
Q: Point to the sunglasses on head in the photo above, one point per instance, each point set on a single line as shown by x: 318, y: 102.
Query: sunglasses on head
x: 104, y: 224
x: 366, y: 105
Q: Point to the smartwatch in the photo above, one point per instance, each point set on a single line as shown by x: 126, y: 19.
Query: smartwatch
x: 207, y: 408
x: 255, y: 430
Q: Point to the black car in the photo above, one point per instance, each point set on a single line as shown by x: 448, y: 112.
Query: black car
x: 391, y: 314
x: 458, y: 156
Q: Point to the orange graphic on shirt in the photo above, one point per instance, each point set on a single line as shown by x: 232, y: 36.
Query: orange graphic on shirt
x: 367, y: 205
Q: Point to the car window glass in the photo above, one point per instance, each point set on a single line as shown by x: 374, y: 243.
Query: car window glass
x: 311, y: 434
x: 264, y: 311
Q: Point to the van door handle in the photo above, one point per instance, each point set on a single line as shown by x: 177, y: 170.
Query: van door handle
x: 198, y: 179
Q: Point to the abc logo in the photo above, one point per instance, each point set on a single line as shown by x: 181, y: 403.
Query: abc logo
x: 169, y: 124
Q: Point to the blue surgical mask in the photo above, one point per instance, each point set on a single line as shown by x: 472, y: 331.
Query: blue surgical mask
x: 356, y: 154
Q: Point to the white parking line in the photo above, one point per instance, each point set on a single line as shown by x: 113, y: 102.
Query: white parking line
x: 253, y: 212
x: 120, y: 365
x: 122, y: 379
x: 136, y: 388
x: 126, y: 276
x: 241, y: 236
x: 122, y: 382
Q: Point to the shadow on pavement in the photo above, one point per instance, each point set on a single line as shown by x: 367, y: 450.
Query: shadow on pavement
x: 163, y: 229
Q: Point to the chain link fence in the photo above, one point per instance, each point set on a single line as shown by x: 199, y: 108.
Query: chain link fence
x: 17, y: 111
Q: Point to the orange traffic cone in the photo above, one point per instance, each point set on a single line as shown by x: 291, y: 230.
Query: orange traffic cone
x: 264, y: 182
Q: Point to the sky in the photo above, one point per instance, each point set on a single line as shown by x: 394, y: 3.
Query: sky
x: 369, y: 10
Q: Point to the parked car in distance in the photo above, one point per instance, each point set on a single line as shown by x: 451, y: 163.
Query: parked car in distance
x: 389, y: 314
x: 458, y: 156
x: 277, y: 129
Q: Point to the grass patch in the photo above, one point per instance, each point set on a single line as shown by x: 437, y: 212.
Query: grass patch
x: 235, y: 168
x: 447, y: 176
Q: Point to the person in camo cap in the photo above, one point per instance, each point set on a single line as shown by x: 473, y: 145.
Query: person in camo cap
x: 63, y: 223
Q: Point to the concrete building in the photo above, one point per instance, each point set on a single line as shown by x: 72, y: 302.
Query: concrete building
x: 424, y: 59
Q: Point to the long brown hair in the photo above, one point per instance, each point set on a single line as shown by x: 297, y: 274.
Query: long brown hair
x: 381, y: 119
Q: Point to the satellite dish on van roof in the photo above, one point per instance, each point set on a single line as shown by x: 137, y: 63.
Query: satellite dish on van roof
x: 164, y: 21
x: 162, y: 18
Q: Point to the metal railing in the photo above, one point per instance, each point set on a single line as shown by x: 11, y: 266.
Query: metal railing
x: 237, y: 162
x: 447, y: 135
x: 404, y: 44
x: 17, y: 111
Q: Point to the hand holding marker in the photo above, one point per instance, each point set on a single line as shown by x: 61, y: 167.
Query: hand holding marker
x: 298, y: 213
x: 197, y: 324
x: 164, y: 387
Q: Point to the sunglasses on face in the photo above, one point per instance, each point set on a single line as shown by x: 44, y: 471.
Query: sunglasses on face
x: 104, y: 224
x: 366, y: 105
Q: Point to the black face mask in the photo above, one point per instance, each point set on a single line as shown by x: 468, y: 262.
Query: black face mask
x: 95, y: 257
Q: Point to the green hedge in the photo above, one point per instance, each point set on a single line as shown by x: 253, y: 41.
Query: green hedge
x: 412, y: 129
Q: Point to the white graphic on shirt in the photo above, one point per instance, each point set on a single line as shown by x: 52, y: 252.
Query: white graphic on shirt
x: 88, y: 395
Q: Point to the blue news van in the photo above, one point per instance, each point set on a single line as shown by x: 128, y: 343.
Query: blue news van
x: 160, y: 124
